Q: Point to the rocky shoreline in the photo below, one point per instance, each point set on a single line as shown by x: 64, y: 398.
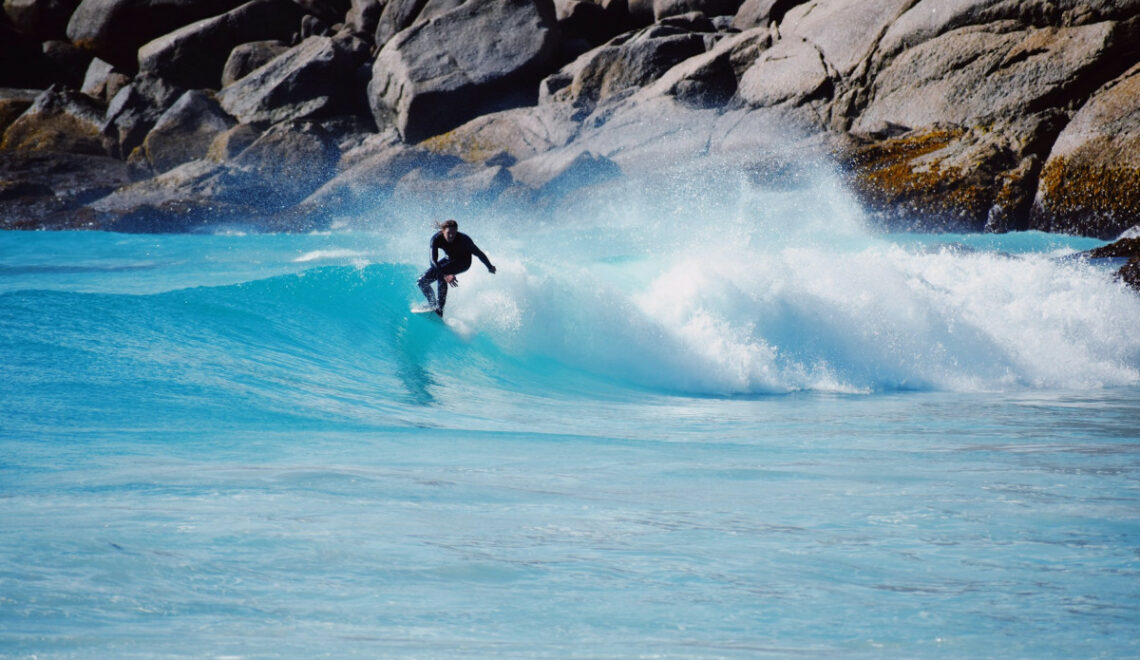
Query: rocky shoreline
x: 287, y: 115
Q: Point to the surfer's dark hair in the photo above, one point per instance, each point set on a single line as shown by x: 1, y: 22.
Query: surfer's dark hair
x: 447, y: 223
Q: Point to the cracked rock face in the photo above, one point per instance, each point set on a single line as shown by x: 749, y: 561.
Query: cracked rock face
x: 992, y: 115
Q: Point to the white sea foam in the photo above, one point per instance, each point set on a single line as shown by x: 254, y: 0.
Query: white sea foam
x: 789, y: 292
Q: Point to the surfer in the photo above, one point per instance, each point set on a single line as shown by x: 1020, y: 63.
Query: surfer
x: 459, y: 249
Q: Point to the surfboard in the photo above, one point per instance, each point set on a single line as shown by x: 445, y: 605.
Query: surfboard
x: 425, y: 310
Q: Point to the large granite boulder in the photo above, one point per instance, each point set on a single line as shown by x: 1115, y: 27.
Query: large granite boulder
x: 59, y: 120
x: 194, y: 56
x: 846, y: 33
x: 246, y: 58
x: 134, y: 110
x: 790, y: 71
x: 928, y: 19
x: 441, y: 73
x: 398, y: 15
x: 282, y: 167
x: 976, y: 73
x: 315, y: 78
x: 185, y: 131
x: 115, y: 29
x: 516, y: 134
x: 368, y: 176
x: 626, y: 63
x: 1090, y: 183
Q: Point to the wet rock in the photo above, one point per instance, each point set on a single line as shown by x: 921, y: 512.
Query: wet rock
x: 520, y: 133
x: 461, y: 188
x: 59, y: 120
x: 133, y: 111
x: 310, y: 80
x: 47, y: 190
x: 185, y: 131
x: 228, y: 144
x: 1090, y: 183
x: 283, y: 166
x: 13, y: 103
x: 195, y: 55
x: 428, y: 87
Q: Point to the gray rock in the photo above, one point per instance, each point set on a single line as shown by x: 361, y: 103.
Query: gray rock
x: 364, y: 15
x: 759, y: 13
x: 228, y: 144
x: 461, y: 189
x: 113, y: 30
x: 974, y: 74
x: 312, y: 79
x: 13, y: 103
x: 627, y: 64
x: 666, y: 8
x: 520, y: 133
x: 845, y: 32
x: 245, y: 58
x: 42, y: 19
x: 59, y: 120
x: 283, y: 166
x: 1090, y: 183
x: 185, y: 131
x: 399, y: 15
x: 368, y: 177
x: 429, y: 85
x: 928, y: 19
x: 133, y: 111
x: 48, y: 190
x: 95, y: 79
x: 194, y: 56
x: 791, y: 71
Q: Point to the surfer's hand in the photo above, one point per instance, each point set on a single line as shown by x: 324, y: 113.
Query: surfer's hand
x: 491, y: 269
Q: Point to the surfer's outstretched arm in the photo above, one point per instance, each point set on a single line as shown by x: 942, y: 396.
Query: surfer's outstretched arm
x: 482, y: 257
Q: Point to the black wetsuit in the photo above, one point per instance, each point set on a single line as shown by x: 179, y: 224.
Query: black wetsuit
x: 458, y: 260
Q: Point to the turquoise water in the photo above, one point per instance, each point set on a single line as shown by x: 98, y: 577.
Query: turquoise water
x: 768, y: 433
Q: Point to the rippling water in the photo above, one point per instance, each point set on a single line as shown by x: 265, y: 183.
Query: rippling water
x: 766, y: 432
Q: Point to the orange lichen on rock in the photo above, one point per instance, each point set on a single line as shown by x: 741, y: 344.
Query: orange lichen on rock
x: 900, y: 175
x: 1069, y: 189
x: 468, y: 147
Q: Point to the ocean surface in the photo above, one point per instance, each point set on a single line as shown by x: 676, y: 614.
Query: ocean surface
x: 736, y: 424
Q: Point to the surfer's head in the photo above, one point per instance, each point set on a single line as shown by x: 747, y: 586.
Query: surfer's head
x: 449, y: 228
